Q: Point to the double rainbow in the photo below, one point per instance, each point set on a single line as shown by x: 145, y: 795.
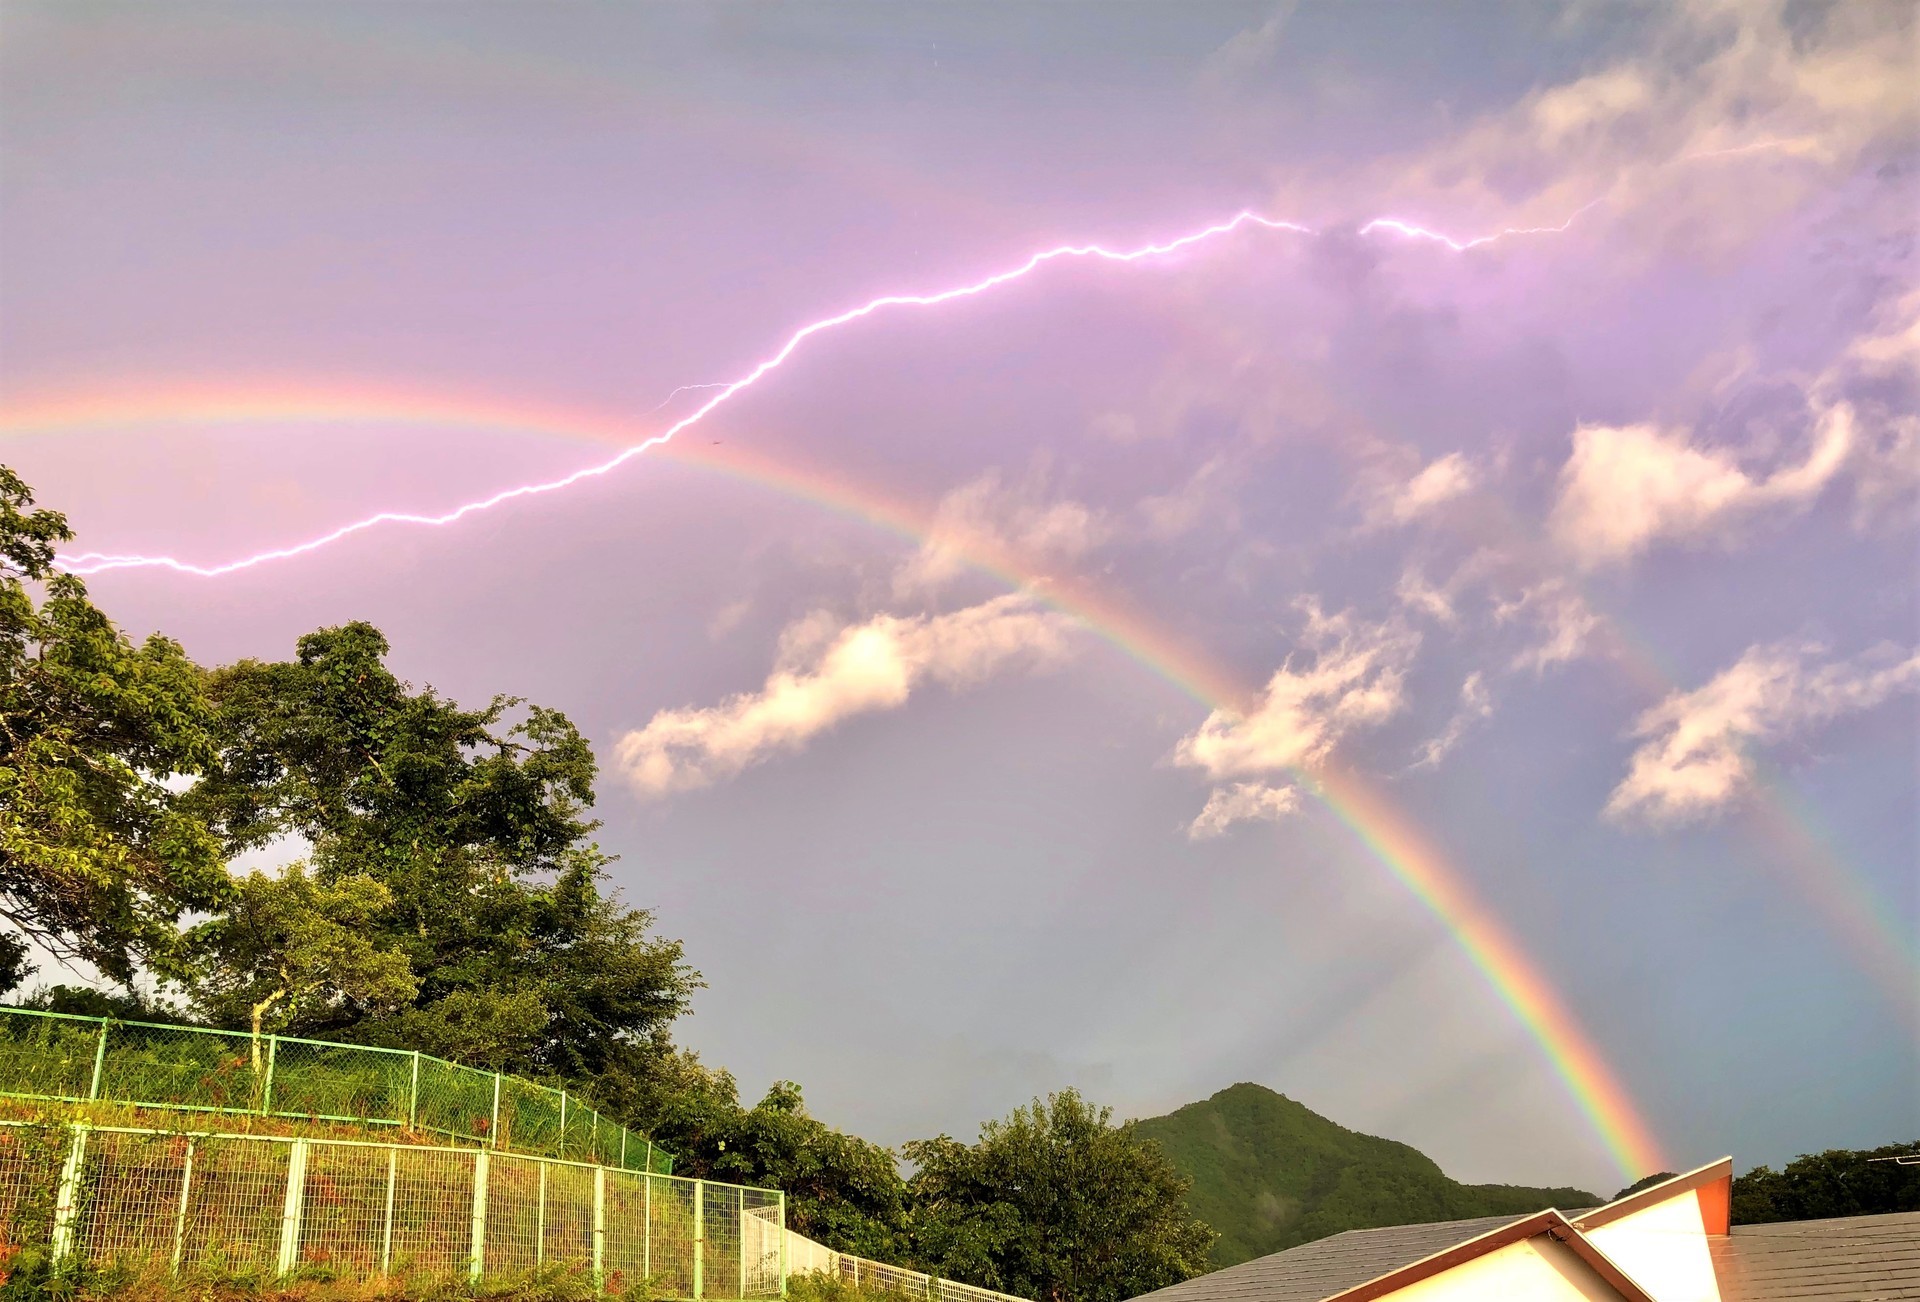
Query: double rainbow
x: 1387, y: 834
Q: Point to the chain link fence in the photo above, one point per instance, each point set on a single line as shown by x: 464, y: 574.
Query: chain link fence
x: 220, y: 1206
x: 67, y: 1058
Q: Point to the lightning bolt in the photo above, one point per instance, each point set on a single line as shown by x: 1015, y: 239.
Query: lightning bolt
x: 685, y: 388
x: 100, y: 562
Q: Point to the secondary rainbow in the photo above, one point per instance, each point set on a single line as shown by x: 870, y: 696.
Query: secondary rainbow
x: 1386, y: 833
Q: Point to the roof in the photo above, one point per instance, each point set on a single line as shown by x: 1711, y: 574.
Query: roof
x: 1856, y: 1258
x: 1331, y: 1265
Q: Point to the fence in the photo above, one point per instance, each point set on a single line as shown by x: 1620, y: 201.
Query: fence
x: 802, y: 1256
x: 258, y: 1205
x: 72, y: 1059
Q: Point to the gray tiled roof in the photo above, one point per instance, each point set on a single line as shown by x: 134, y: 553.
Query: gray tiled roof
x: 1856, y: 1258
x: 1327, y: 1266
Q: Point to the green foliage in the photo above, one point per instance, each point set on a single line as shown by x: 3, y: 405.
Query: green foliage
x: 818, y: 1286
x: 290, y: 950
x: 99, y: 855
x: 475, y: 826
x: 1055, y: 1202
x: 1268, y: 1173
x: 1644, y: 1182
x: 1838, y: 1182
x: 841, y: 1190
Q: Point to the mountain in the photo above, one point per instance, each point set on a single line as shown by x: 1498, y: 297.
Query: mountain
x: 1269, y: 1173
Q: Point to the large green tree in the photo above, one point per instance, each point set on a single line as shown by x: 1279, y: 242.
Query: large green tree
x: 289, y: 950
x: 1057, y: 1203
x: 474, y: 822
x: 99, y: 855
x: 842, y: 1191
x: 1838, y: 1182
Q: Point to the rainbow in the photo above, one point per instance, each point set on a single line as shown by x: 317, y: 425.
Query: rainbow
x: 1387, y: 835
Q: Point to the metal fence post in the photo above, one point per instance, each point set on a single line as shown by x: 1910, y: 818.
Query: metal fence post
x: 180, y: 1216
x: 493, y: 1126
x: 66, y: 1206
x: 477, y: 1253
x: 386, y: 1238
x: 646, y: 1235
x: 291, y: 1210
x: 699, y: 1236
x: 99, y: 1064
x: 413, y: 1095
x: 783, y: 1243
x: 599, y: 1226
x: 741, y: 1227
x: 563, y: 1124
x: 540, y: 1222
x: 266, y: 1090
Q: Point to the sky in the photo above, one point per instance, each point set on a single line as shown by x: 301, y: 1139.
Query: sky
x: 1442, y: 645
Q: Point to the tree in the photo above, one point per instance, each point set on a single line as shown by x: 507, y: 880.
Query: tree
x: 473, y: 821
x: 1056, y: 1203
x: 99, y: 854
x: 841, y: 1190
x: 1838, y: 1182
x: 295, y: 949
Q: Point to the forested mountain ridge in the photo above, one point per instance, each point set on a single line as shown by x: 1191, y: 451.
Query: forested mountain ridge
x: 1269, y: 1173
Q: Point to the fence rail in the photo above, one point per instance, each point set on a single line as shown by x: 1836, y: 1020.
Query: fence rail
x: 67, y: 1058
x: 803, y: 1256
x: 265, y: 1205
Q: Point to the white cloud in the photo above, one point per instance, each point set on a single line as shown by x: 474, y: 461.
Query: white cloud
x: 1694, y: 761
x: 1009, y: 523
x: 1880, y: 376
x: 1626, y: 488
x: 1437, y: 604
x: 1728, y: 114
x: 1566, y: 624
x: 1206, y: 497
x: 1248, y: 50
x: 1357, y: 679
x: 1239, y: 803
x: 1476, y: 704
x: 1441, y: 481
x: 827, y: 673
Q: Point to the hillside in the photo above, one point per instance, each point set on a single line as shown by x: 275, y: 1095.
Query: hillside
x: 1269, y: 1173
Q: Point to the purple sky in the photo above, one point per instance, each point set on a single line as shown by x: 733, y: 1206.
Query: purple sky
x: 1593, y: 550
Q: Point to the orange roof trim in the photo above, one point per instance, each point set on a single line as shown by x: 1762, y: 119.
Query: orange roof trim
x: 1703, y: 1178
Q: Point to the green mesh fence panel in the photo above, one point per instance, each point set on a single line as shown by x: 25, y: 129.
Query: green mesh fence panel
x: 250, y: 1207
x: 569, y: 1215
x: 48, y: 1057
x: 171, y: 1066
x: 337, y: 1082
x: 58, y: 1056
x: 234, y: 1206
x: 344, y: 1208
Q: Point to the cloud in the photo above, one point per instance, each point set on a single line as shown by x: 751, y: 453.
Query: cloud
x: 1694, y: 761
x: 1626, y: 488
x: 1441, y: 481
x: 826, y: 673
x: 1727, y: 115
x: 1206, y: 497
x: 1416, y: 594
x: 1239, y: 803
x: 1357, y: 679
x: 1247, y: 51
x: 1476, y: 704
x: 1566, y: 624
x: 1015, y: 523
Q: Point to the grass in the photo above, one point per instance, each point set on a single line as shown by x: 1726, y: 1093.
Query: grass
x: 26, y: 1281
